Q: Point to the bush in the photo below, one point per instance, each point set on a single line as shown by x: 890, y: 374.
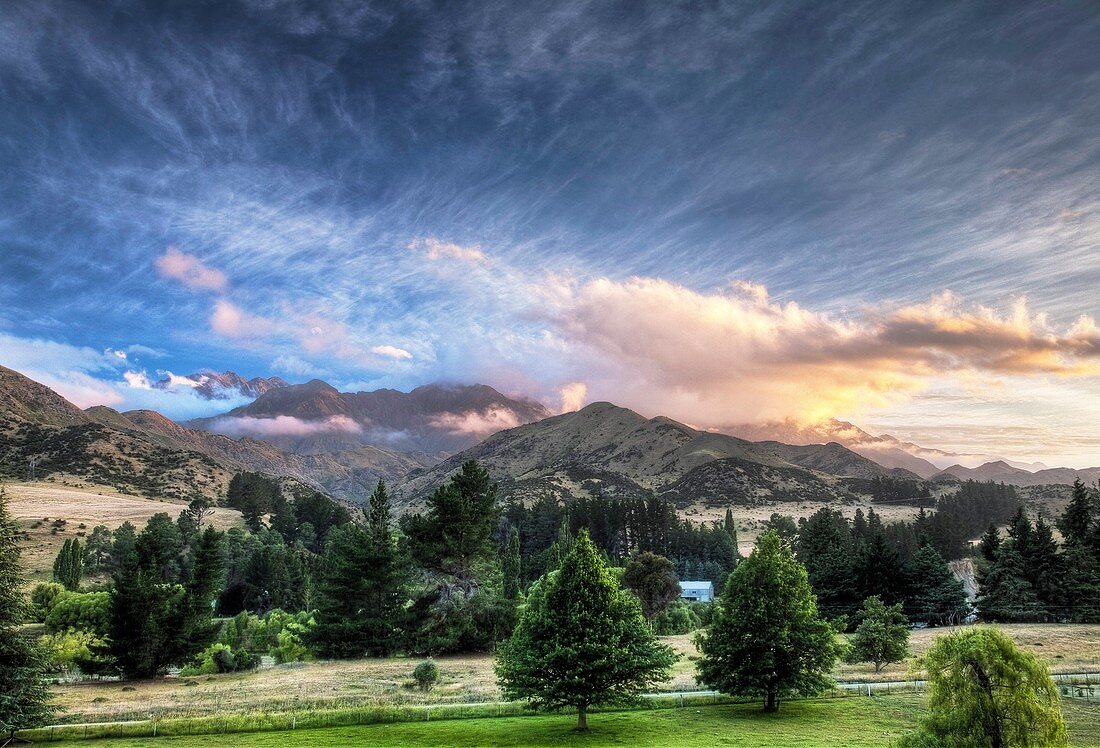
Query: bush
x: 291, y: 645
x: 80, y: 611
x: 220, y: 658
x: 77, y: 650
x: 426, y: 675
x: 43, y: 596
x: 680, y: 618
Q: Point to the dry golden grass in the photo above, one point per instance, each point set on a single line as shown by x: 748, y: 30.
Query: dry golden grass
x: 35, y: 506
x: 467, y: 678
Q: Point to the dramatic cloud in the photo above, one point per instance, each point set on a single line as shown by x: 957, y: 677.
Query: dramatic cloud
x: 737, y: 356
x: 477, y: 423
x: 572, y: 396
x: 190, y: 271
x: 294, y: 366
x: 283, y: 426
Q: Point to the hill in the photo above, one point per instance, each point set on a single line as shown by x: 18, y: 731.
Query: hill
x: 1001, y: 472
x: 143, y: 452
x: 605, y: 449
x: 434, y: 419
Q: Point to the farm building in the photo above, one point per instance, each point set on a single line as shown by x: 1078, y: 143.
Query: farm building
x: 702, y: 592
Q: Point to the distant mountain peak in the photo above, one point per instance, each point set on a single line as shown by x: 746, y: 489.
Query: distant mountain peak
x: 227, y: 385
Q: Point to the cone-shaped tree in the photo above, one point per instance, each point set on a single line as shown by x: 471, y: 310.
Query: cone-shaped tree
x: 24, y: 695
x: 582, y: 641
x: 985, y: 691
x: 511, y: 565
x: 767, y: 638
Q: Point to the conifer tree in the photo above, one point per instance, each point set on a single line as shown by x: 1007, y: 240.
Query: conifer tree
x: 653, y: 579
x: 24, y: 694
x: 1006, y: 594
x: 147, y: 621
x: 766, y: 638
x: 510, y: 565
x: 207, y: 578
x: 1044, y: 566
x: 1077, y: 519
x: 937, y: 595
x: 582, y: 641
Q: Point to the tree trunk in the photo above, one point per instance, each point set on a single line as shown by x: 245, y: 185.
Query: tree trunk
x: 582, y: 719
x: 771, y: 702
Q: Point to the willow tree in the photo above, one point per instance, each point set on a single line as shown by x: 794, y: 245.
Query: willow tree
x: 983, y: 690
x: 582, y: 641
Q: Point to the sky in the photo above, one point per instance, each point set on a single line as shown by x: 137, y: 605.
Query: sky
x: 726, y: 213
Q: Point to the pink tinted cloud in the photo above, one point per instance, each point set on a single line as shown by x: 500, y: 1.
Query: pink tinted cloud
x: 190, y: 271
x: 284, y: 426
x: 434, y: 249
x: 477, y: 423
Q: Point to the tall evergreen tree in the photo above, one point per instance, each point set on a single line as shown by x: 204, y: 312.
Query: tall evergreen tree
x: 766, y: 638
x: 1080, y: 601
x: 990, y: 542
x: 146, y: 623
x: 878, y: 570
x: 207, y: 578
x: 68, y: 567
x: 24, y: 694
x: 582, y: 641
x: 1006, y: 594
x: 1044, y: 566
x: 937, y: 596
x: 511, y: 565
x: 1077, y: 519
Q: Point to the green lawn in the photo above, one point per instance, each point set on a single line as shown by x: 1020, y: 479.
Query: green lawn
x: 808, y: 724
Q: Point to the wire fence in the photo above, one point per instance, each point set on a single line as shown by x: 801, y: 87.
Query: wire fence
x: 1083, y: 686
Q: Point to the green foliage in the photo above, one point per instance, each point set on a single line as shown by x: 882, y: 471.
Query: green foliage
x: 766, y: 637
x: 97, y: 550
x: 291, y: 642
x: 653, y: 579
x: 43, y: 596
x: 220, y: 658
x: 511, y: 565
x: 68, y: 567
x: 1006, y: 594
x: 454, y: 536
x: 80, y: 611
x: 682, y: 617
x: 582, y: 641
x: 426, y: 675
x: 937, y: 596
x: 1077, y: 519
x: 146, y: 625
x: 254, y: 495
x: 24, y: 695
x: 360, y: 586
x: 882, y: 636
x: 71, y: 649
x: 985, y: 691
x: 159, y: 547
x: 782, y: 525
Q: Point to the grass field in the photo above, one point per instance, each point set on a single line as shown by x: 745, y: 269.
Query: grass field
x: 36, y: 507
x: 467, y: 678
x: 850, y: 722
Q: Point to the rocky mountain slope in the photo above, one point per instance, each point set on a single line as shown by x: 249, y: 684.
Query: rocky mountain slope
x: 1001, y: 472
x: 605, y: 449
x: 143, y: 452
x: 434, y: 419
x: 228, y: 384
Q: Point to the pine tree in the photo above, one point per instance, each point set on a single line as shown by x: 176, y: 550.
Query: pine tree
x: 510, y: 565
x: 207, y: 578
x: 937, y: 595
x: 359, y: 589
x: 147, y: 621
x: 879, y: 571
x: 766, y: 638
x: 1080, y: 584
x: 1006, y: 594
x: 1043, y: 564
x: 24, y: 694
x: 730, y: 526
x: 582, y: 641
x: 990, y: 542
x: 1077, y: 519
x: 882, y: 636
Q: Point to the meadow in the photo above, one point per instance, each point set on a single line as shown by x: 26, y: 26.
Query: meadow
x: 819, y: 723
x: 464, y: 679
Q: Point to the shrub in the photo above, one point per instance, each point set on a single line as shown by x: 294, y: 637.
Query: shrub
x: 220, y: 658
x: 43, y: 596
x: 680, y: 618
x: 77, y: 650
x: 426, y: 675
x: 291, y: 646
x: 81, y: 611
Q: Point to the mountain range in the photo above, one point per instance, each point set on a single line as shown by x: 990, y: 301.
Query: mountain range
x: 342, y: 443
x: 435, y: 419
x: 224, y: 386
